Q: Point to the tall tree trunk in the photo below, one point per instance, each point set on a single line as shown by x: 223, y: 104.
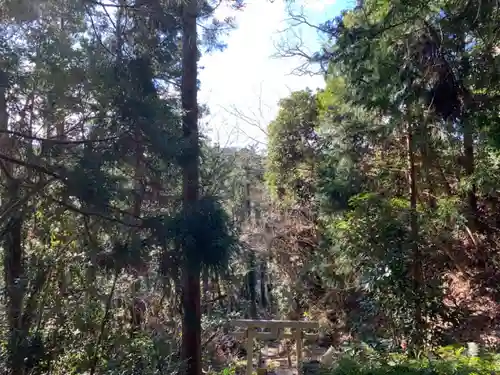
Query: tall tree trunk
x: 262, y: 260
x: 207, y: 309
x: 468, y: 141
x: 191, y: 324
x: 252, y: 262
x: 269, y: 258
x: 13, y: 270
x: 137, y: 304
x: 263, y: 284
x: 417, y: 339
x: 426, y: 168
x: 13, y: 251
x: 468, y: 135
x: 252, y: 284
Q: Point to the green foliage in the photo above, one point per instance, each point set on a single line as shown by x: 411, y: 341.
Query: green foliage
x: 292, y: 147
x: 446, y: 361
x: 404, y: 165
x: 144, y: 354
x: 203, y: 232
x: 92, y: 98
x: 91, y: 179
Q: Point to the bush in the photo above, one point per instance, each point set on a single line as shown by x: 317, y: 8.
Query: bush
x: 445, y: 361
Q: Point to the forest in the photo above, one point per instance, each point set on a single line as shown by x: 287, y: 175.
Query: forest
x: 129, y: 238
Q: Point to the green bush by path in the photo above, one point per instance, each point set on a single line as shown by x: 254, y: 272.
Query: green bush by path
x: 445, y: 361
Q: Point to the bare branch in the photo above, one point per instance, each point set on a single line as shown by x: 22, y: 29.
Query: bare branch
x: 57, y: 141
x: 293, y: 45
x: 36, y: 167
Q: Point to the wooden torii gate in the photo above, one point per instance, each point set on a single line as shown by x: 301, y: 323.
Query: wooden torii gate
x: 277, y: 331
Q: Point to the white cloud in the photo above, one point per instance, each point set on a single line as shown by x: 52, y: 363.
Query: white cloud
x: 244, y: 76
x: 317, y: 5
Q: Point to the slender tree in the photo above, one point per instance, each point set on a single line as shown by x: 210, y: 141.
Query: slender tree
x: 191, y: 294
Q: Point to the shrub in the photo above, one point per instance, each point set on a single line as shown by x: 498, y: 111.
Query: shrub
x: 444, y: 361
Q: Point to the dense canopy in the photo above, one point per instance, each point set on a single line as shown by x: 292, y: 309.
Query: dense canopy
x: 129, y: 238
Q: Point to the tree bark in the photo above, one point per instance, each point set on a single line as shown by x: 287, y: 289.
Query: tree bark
x: 13, y: 251
x: 191, y: 294
x: 468, y: 142
x: 468, y: 136
x: 252, y: 262
x: 263, y: 284
x: 416, y: 256
x: 207, y: 308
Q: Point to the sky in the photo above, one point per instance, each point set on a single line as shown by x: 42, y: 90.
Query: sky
x: 243, y: 84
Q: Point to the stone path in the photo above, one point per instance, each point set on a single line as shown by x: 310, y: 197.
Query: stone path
x: 279, y: 363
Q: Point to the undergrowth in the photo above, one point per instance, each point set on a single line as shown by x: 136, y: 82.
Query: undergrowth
x: 450, y: 360
x: 443, y: 361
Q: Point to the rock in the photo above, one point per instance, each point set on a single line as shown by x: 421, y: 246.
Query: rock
x: 472, y: 349
x: 328, y: 358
